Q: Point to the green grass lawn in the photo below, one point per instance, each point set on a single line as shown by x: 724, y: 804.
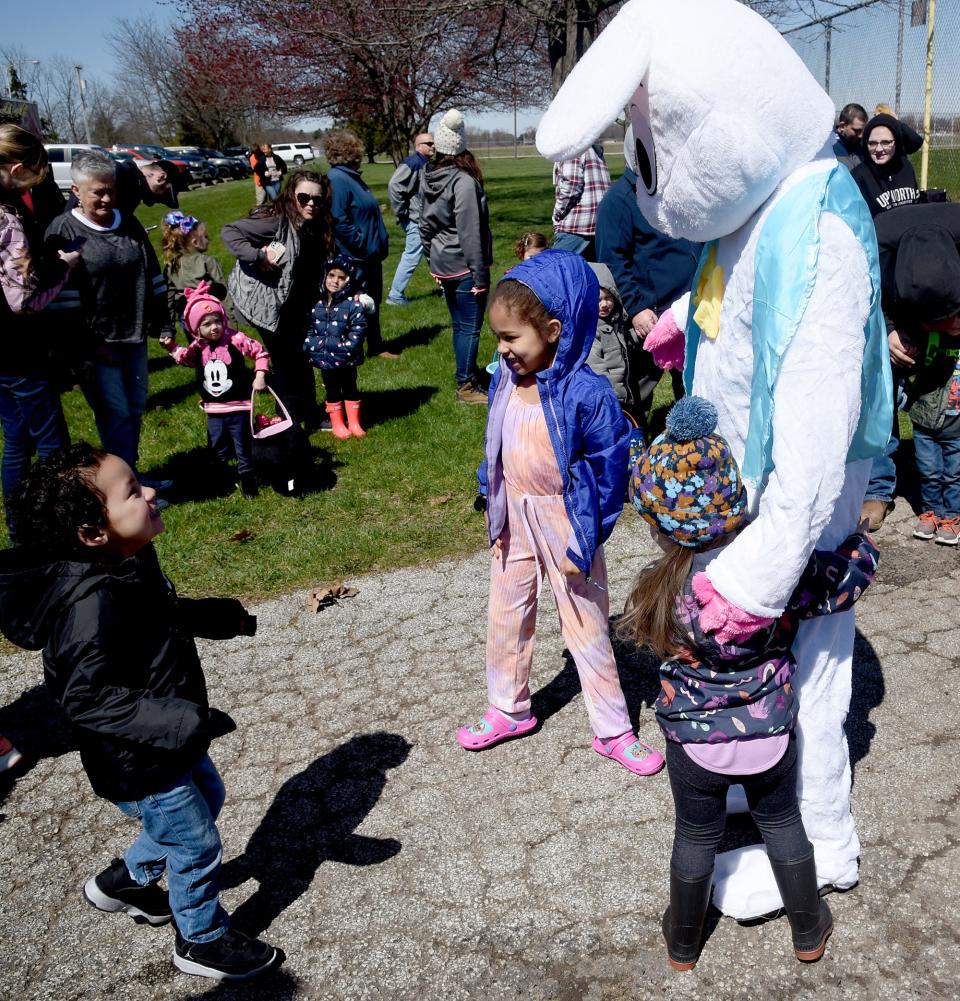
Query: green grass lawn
x: 385, y: 503
x: 401, y: 496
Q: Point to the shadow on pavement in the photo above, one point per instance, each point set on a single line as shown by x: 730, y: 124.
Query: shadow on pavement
x: 37, y: 726
x: 278, y: 985
x: 311, y: 821
x: 868, y: 692
x: 556, y: 693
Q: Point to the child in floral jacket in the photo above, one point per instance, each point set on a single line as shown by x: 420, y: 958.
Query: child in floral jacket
x: 728, y: 705
x: 334, y: 343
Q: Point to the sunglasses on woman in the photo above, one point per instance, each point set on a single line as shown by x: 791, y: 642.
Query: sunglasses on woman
x: 304, y: 199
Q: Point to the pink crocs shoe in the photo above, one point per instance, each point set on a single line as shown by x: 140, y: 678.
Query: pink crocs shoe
x: 493, y: 729
x: 633, y: 753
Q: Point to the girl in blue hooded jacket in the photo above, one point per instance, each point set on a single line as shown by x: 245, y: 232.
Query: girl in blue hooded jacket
x: 554, y: 477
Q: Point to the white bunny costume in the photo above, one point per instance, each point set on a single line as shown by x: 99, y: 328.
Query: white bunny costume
x: 733, y: 148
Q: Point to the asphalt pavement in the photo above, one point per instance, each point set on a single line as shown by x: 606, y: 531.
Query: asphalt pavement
x: 389, y: 863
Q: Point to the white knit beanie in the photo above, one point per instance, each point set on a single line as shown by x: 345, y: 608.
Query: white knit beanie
x: 448, y: 136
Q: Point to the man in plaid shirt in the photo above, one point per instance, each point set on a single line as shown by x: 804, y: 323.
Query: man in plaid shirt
x: 580, y: 183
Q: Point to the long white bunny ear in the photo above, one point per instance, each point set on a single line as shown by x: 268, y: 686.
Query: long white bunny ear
x: 600, y: 85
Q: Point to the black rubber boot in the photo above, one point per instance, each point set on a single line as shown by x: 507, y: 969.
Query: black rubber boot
x: 248, y: 484
x: 683, y: 920
x: 810, y: 919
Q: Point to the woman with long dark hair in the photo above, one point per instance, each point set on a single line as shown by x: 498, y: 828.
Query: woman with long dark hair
x: 455, y: 227
x: 281, y: 249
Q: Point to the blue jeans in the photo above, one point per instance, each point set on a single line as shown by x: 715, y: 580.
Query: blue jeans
x: 576, y: 244
x: 180, y: 835
x: 412, y: 254
x: 117, y: 396
x: 938, y: 463
x: 32, y: 422
x: 466, y: 314
x: 883, y: 470
x: 700, y: 799
x: 272, y: 190
x: 230, y: 436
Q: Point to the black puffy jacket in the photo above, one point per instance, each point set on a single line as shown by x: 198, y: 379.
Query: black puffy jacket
x: 119, y: 655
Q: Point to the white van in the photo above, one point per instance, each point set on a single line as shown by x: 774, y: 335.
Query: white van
x: 60, y: 155
x: 295, y: 152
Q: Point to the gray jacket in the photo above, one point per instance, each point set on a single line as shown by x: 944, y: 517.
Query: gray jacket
x: 608, y: 355
x: 403, y: 189
x: 454, y: 225
x: 258, y: 295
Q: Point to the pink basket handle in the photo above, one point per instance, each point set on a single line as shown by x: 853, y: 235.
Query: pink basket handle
x: 271, y: 429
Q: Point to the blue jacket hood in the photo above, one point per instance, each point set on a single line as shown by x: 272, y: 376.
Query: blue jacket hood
x: 570, y: 292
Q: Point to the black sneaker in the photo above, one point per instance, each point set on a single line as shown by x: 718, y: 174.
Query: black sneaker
x: 115, y: 890
x: 233, y: 956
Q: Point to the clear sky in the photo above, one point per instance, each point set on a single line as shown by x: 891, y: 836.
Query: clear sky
x: 78, y: 32
x: 863, y: 64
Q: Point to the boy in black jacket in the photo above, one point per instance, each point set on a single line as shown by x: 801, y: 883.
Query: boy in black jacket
x: 119, y: 655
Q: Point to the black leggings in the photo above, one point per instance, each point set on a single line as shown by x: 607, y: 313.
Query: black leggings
x: 340, y: 384
x: 700, y: 798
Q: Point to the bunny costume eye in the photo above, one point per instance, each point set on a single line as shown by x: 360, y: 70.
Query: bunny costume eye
x: 643, y: 144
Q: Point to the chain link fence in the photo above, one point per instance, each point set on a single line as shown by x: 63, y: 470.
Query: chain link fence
x: 872, y: 55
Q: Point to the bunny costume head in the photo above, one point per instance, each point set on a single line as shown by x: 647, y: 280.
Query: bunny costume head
x: 722, y: 110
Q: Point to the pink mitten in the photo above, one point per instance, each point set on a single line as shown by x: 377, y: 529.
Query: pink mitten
x: 728, y: 623
x: 666, y: 342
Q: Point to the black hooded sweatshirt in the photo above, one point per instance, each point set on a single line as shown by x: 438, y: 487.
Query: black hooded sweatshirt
x: 894, y: 183
x: 119, y: 656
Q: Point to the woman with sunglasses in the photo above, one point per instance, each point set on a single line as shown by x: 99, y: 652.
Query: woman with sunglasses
x: 30, y: 413
x: 281, y: 249
x: 886, y: 177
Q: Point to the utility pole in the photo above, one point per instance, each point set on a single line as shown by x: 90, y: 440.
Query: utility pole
x: 83, y: 104
x: 928, y: 96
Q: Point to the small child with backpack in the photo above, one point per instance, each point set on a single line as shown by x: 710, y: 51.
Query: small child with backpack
x: 334, y: 344
x: 186, y: 264
x: 727, y: 709
x: 85, y: 586
x: 554, y: 477
x: 226, y: 387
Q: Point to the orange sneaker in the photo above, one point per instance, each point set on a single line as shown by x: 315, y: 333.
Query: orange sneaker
x: 925, y: 527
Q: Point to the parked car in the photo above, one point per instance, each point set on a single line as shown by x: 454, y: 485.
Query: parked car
x: 181, y: 181
x: 200, y: 169
x: 295, y: 152
x: 147, y: 151
x: 60, y: 156
x: 228, y: 166
x: 196, y: 168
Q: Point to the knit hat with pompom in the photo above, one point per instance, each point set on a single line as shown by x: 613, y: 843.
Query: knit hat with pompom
x: 448, y: 136
x: 201, y: 302
x: 687, y: 484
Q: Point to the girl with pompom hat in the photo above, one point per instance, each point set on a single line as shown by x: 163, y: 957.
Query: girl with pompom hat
x: 726, y: 708
x: 455, y: 227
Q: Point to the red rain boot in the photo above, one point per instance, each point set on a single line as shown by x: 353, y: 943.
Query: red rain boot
x: 335, y: 412
x: 353, y: 418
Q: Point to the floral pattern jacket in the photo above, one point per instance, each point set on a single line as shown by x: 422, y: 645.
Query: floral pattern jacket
x: 713, y: 693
